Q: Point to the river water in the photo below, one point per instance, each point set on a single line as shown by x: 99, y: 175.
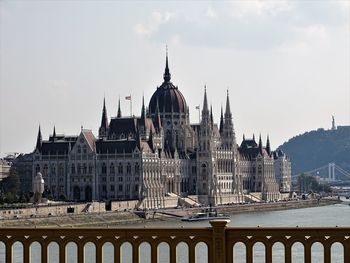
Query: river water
x: 323, y: 216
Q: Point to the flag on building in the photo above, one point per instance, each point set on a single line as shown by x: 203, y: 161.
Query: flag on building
x: 128, y: 97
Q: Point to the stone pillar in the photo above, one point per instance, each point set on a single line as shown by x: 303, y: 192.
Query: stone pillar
x: 219, y: 240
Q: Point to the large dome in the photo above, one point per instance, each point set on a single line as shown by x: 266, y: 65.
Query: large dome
x: 167, y: 96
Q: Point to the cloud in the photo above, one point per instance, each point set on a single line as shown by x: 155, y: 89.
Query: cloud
x: 153, y: 23
x: 258, y: 25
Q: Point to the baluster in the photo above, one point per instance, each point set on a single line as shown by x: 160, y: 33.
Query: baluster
x: 249, y: 252
x: 80, y: 252
x: 268, y: 252
x: 154, y: 252
x: 62, y: 247
x: 26, y: 252
x: 9, y: 252
x: 172, y: 252
x: 307, y: 252
x: 135, y: 252
x: 192, y: 252
x: 99, y: 257
x: 116, y: 252
x: 346, y: 251
x: 229, y: 252
x: 287, y: 253
x: 327, y: 252
x: 44, y: 248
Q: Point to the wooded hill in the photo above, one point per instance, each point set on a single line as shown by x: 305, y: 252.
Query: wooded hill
x: 318, y: 148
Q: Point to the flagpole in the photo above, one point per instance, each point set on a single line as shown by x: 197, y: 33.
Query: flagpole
x: 130, y: 105
x: 199, y: 113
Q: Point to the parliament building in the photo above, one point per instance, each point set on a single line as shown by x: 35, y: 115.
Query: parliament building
x: 160, y: 156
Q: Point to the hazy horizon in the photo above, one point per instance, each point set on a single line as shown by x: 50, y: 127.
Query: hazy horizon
x: 286, y: 64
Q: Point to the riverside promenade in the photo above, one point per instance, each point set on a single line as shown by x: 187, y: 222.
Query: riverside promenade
x: 115, y: 218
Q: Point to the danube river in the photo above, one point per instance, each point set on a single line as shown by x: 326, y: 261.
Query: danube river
x: 323, y: 216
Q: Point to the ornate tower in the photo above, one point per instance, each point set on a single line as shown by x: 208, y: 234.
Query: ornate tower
x: 103, y: 130
x: 173, y: 112
x: 228, y: 137
x: 39, y: 140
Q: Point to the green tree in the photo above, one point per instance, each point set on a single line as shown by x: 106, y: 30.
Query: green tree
x: 308, y: 183
x: 10, y: 186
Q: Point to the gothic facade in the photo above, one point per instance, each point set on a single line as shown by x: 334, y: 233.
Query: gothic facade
x: 159, y: 155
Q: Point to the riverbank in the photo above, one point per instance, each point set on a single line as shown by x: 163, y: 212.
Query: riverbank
x: 113, y: 219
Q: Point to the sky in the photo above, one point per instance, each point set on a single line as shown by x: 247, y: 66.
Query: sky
x: 286, y: 64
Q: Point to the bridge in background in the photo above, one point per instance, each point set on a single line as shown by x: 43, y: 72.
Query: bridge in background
x: 329, y: 171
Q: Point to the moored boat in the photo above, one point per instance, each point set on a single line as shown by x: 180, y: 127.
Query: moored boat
x: 206, y: 215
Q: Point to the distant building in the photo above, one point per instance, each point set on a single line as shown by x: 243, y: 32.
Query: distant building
x: 283, y: 171
x: 158, y: 155
x: 5, y: 167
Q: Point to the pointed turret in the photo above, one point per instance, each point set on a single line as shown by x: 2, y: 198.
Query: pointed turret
x: 260, y: 144
x: 39, y: 140
x: 268, y: 147
x: 243, y: 137
x: 143, y: 111
x: 229, y: 137
x: 104, y: 121
x: 253, y: 137
x: 166, y: 75
x: 205, y: 110
x: 54, y: 131
x: 211, y: 116
x: 221, y: 122
x: 228, y: 108
x: 157, y: 120
x: 119, y: 113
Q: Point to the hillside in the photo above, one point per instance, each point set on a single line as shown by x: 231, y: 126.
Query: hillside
x: 317, y: 148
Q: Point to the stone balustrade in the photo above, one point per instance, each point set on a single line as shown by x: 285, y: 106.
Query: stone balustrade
x: 217, y: 243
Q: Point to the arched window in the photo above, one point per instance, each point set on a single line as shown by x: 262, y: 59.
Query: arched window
x: 128, y: 168
x: 53, y: 169
x: 120, y: 168
x: 60, y: 170
x: 90, y: 168
x: 79, y: 168
x: 79, y: 149
x: 111, y: 168
x: 204, y: 168
x: 84, y: 149
x: 73, y: 168
x: 137, y: 168
x: 84, y: 168
x: 104, y: 168
x: 37, y: 168
x: 46, y: 169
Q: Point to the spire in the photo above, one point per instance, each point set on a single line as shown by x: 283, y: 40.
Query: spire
x: 228, y: 109
x: 253, y: 137
x: 104, y: 120
x: 260, y: 144
x: 157, y: 121
x: 119, y: 113
x: 205, y: 102
x: 167, y: 75
x: 38, y: 140
x: 143, y: 110
x: 221, y: 121
x: 268, y: 147
x: 54, y: 131
x: 211, y: 116
x: 243, y: 137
